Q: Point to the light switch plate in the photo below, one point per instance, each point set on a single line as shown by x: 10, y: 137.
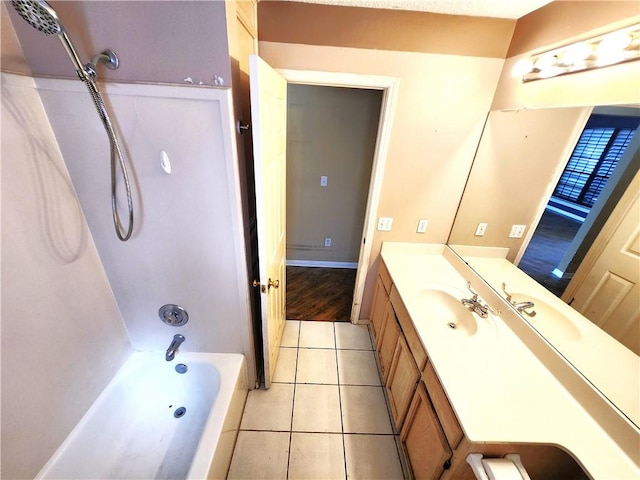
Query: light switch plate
x: 517, y: 231
x: 481, y: 229
x: 384, y: 224
x: 422, y: 226
x: 327, y: 242
x: 324, y: 181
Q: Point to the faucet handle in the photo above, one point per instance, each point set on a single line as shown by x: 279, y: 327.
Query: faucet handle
x: 504, y: 289
x: 475, y: 294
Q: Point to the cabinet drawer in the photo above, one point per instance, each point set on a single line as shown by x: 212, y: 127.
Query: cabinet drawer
x: 406, y: 324
x: 385, y: 276
x: 448, y: 419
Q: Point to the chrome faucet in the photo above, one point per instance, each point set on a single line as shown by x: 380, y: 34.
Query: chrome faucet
x: 173, y: 348
x: 521, y: 307
x: 473, y: 304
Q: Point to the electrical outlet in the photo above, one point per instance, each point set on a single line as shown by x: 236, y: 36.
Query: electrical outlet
x: 384, y: 224
x: 517, y: 231
x: 324, y: 181
x: 422, y: 226
x: 327, y: 242
x: 482, y: 228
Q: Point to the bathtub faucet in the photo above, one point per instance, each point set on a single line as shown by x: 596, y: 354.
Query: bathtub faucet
x: 173, y: 348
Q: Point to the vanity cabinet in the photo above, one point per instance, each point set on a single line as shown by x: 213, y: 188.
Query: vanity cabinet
x: 433, y: 441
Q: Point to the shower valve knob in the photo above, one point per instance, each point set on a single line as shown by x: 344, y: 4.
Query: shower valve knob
x: 173, y: 315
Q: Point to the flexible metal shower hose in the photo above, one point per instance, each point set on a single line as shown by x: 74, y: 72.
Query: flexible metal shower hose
x: 116, y: 153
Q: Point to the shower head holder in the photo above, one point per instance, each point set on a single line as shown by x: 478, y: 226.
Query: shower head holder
x: 108, y: 57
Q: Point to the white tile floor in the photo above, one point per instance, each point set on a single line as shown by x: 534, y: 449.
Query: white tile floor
x: 325, y: 415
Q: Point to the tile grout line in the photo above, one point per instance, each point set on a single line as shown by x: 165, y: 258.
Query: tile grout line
x: 293, y: 403
x: 396, y: 437
x: 344, y: 447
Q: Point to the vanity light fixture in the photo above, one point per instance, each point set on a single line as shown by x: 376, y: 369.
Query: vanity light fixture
x: 612, y: 48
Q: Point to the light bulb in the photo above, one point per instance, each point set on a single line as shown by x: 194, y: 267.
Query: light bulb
x: 522, y: 67
x: 545, y: 61
x: 575, y: 54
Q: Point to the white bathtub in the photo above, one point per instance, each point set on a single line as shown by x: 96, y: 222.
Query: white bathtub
x: 131, y: 432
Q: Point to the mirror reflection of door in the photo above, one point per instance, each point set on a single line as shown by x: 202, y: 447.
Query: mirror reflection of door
x: 597, y: 174
x: 331, y: 141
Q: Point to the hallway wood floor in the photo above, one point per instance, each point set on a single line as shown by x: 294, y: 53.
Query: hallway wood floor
x: 548, y: 244
x: 323, y: 294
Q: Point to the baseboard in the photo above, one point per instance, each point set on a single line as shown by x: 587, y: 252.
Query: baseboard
x: 317, y: 263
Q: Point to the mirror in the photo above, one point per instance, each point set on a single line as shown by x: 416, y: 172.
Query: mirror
x: 520, y: 158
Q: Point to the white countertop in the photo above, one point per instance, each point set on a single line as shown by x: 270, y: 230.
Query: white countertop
x: 612, y: 367
x: 499, y: 390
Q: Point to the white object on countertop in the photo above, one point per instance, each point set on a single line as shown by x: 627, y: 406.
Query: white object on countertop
x: 508, y: 468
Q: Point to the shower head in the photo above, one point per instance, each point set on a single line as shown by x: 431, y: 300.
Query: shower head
x: 40, y: 15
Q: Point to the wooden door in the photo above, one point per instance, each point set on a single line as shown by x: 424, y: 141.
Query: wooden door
x: 269, y: 126
x: 609, y: 294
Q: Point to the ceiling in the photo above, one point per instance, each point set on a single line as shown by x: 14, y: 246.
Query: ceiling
x: 513, y: 9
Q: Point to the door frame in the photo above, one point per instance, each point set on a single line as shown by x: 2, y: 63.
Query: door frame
x: 389, y: 87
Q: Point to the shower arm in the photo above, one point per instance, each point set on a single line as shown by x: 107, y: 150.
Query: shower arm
x: 87, y: 71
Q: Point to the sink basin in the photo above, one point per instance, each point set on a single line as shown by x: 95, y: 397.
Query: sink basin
x: 445, y: 308
x: 548, y: 320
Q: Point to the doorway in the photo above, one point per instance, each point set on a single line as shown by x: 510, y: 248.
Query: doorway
x: 387, y: 87
x: 331, y: 141
x: 591, y: 184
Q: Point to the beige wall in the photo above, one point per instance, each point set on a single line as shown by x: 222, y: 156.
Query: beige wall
x: 433, y: 138
x: 62, y: 334
x: 561, y: 23
x: 332, y: 132
x: 379, y: 29
x: 519, y: 160
x: 444, y: 91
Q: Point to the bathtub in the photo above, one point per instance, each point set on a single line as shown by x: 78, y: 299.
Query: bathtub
x: 137, y: 428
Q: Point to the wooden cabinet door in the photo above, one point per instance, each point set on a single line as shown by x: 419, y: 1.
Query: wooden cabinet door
x: 425, y: 443
x: 401, y: 382
x: 380, y: 300
x: 390, y: 331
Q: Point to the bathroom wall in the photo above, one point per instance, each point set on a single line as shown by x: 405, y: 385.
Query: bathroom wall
x: 186, y: 246
x: 446, y: 66
x: 444, y: 97
x: 62, y: 331
x: 12, y: 55
x: 158, y: 42
x: 519, y: 160
x: 561, y: 23
x: 332, y: 132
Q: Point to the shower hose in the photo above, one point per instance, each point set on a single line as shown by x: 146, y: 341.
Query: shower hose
x: 116, y: 158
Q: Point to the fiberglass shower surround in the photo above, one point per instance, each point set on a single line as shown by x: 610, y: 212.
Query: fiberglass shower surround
x: 40, y: 15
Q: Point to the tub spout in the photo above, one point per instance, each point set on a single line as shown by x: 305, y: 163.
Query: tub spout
x: 173, y: 348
